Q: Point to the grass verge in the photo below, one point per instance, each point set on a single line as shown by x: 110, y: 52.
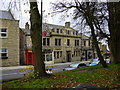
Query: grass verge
x: 95, y: 75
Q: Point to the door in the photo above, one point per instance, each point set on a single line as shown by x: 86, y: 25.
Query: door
x: 68, y: 56
x: 29, y: 58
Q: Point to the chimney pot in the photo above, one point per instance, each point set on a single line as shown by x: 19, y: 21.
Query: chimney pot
x: 27, y: 25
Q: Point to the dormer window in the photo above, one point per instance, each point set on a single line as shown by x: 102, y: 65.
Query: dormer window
x: 53, y: 29
x: 76, y: 32
x: 60, y: 30
x: 57, y: 30
x: 73, y: 33
x: 68, y: 32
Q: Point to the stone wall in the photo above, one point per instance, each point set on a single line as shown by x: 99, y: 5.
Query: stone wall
x: 11, y: 43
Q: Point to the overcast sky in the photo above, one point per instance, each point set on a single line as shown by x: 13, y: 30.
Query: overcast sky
x: 23, y: 16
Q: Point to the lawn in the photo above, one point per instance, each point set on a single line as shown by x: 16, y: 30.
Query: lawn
x: 95, y: 75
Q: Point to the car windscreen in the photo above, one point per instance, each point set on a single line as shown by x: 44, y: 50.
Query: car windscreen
x: 74, y: 65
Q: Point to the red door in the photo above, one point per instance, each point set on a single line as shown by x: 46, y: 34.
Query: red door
x: 29, y: 57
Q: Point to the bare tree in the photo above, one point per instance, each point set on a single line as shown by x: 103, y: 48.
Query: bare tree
x: 86, y: 10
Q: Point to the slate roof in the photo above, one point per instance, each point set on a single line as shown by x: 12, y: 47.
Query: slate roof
x: 6, y: 15
x: 85, y: 37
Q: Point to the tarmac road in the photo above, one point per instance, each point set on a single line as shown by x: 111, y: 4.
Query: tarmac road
x: 10, y: 73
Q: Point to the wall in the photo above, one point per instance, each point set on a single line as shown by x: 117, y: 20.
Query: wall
x: 11, y: 43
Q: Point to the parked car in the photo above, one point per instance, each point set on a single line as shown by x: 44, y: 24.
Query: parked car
x: 74, y: 66
x: 94, y: 62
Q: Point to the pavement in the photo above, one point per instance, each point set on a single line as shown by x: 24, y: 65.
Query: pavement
x: 28, y: 66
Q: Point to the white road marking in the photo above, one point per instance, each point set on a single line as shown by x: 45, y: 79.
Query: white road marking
x: 12, y: 73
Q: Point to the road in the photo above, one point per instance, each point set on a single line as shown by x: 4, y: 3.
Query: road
x: 17, y: 73
x: 11, y: 74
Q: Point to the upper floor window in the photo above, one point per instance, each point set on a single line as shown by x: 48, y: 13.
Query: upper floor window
x: 89, y: 43
x: 76, y: 53
x: 3, y: 33
x: 76, y: 32
x: 3, y: 53
x: 60, y: 30
x: 57, y: 31
x: 46, y: 41
x: 76, y: 42
x: 68, y: 32
x: 53, y: 30
x: 84, y: 43
x: 57, y: 54
x: 73, y: 33
x: 57, y: 42
x: 68, y: 42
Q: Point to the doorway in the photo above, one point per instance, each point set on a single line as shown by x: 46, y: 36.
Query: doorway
x: 29, y: 57
x: 68, y: 56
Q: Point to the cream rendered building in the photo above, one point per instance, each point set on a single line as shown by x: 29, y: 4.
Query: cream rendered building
x: 9, y: 39
x: 60, y: 43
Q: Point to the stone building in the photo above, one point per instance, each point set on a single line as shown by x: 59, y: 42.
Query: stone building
x: 9, y: 39
x: 22, y: 45
x: 60, y: 43
x: 87, y: 52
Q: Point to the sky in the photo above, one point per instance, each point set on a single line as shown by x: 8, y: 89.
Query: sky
x: 21, y: 11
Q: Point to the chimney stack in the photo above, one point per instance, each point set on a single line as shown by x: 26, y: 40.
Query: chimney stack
x: 67, y: 24
x: 27, y: 25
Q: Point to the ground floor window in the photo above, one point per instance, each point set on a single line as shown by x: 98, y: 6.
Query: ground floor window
x: 48, y: 57
x: 76, y: 53
x: 3, y: 53
x: 57, y: 54
x: 90, y: 55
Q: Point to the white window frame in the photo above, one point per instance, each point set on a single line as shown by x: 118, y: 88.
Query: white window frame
x: 58, y: 41
x: 3, y: 52
x: 50, y: 55
x: 57, y: 54
x: 3, y: 33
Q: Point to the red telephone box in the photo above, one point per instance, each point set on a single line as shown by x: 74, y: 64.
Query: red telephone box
x: 29, y: 57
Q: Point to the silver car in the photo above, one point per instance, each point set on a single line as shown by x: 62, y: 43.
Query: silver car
x: 94, y: 62
x: 74, y: 66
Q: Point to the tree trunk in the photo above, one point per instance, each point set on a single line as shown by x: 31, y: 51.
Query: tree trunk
x: 95, y: 42
x: 114, y: 28
x: 89, y: 20
x: 36, y: 36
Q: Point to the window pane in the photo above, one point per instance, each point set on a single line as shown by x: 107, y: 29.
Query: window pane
x: 60, y: 53
x: 61, y: 31
x: 84, y: 43
x: 68, y: 42
x: 44, y: 41
x: 57, y: 30
x: 57, y: 54
x: 49, y: 57
x: 56, y: 42
x: 48, y: 41
x: 4, y: 50
x: 3, y: 30
x: 59, y: 42
x: 4, y: 54
x: 78, y: 42
x: 54, y: 54
x: 3, y: 34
